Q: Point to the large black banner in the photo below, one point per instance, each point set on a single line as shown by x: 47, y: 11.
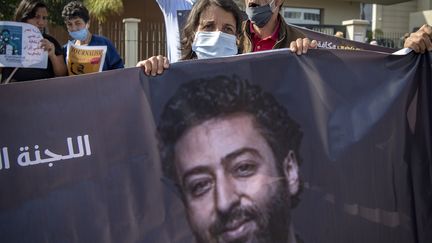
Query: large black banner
x: 333, y: 42
x: 332, y: 146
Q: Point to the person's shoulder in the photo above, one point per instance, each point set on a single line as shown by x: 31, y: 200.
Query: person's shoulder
x: 100, y: 40
x: 291, y: 30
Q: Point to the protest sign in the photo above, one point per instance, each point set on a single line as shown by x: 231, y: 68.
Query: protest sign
x: 85, y: 59
x: 20, y: 46
x: 92, y: 160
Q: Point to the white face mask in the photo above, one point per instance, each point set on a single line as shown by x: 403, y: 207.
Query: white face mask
x: 214, y: 44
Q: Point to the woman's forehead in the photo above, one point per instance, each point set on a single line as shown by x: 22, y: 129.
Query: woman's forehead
x: 216, y: 13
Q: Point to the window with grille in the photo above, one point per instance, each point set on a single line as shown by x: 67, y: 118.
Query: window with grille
x: 302, y: 15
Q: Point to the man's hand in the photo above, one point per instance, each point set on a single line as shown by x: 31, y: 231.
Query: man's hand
x: 301, y: 46
x: 421, y: 40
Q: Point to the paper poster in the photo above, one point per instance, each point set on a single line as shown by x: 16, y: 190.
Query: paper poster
x: 85, y: 59
x: 20, y: 46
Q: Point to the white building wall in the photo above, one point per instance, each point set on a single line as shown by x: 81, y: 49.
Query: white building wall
x: 424, y: 5
x: 417, y: 19
x: 333, y: 13
x: 393, y: 18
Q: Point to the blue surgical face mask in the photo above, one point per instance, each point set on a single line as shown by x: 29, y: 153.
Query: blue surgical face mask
x: 80, y: 35
x: 261, y: 15
x: 214, y: 44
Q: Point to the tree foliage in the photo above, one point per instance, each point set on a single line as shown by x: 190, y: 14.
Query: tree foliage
x: 8, y: 9
x: 55, y: 8
x: 99, y: 9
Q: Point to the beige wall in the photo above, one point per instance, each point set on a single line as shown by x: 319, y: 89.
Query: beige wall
x: 424, y: 5
x: 393, y: 18
x: 417, y: 19
x: 402, y: 17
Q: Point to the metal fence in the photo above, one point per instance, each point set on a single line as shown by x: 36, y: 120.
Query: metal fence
x: 151, y: 37
x: 325, y: 29
x: 390, y: 39
x: 152, y: 40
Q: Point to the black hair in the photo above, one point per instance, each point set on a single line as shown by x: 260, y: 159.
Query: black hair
x: 200, y: 100
x: 75, y: 9
x: 193, y: 21
x: 27, y: 9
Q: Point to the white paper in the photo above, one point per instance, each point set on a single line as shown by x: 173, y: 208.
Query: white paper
x: 85, y: 59
x: 20, y: 46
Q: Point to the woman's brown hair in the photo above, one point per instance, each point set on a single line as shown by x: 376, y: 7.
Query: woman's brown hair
x: 192, y: 23
x: 27, y: 10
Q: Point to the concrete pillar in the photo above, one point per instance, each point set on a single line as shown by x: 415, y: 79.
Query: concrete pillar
x: 377, y: 21
x: 131, y: 41
x: 356, y: 29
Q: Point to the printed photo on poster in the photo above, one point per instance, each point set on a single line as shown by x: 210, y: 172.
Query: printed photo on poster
x: 85, y: 59
x: 10, y: 40
x: 245, y: 133
x: 20, y: 46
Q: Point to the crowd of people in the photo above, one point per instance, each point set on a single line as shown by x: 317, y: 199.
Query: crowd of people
x: 214, y: 28
x: 77, y: 20
x: 206, y: 34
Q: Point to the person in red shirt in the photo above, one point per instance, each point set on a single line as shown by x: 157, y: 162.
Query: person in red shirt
x: 266, y: 29
x: 214, y: 16
x: 210, y: 21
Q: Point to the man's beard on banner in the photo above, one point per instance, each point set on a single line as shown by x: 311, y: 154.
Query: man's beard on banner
x: 272, y: 220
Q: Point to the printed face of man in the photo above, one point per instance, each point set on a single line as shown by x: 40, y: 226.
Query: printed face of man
x: 232, y: 188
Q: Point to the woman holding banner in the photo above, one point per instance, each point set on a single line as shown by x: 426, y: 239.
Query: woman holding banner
x: 215, y: 21
x: 212, y: 30
x: 35, y: 12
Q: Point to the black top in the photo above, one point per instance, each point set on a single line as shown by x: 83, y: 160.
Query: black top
x: 27, y: 74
